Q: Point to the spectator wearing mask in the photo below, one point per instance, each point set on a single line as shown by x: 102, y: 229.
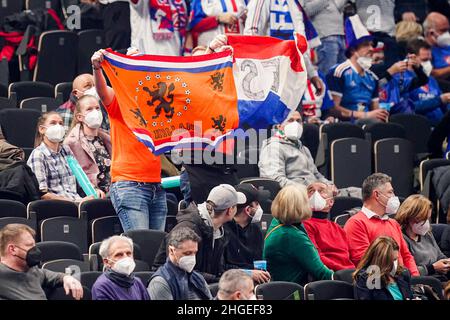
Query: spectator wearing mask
x: 116, y: 23
x: 379, y: 276
x: 158, y: 27
x: 48, y: 161
x: 245, y: 238
x: 327, y: 236
x: 328, y: 19
x: 118, y: 281
x: 235, y: 284
x: 81, y: 85
x: 414, y: 218
x: 436, y: 29
x: 20, y: 275
x: 176, y: 279
x: 372, y: 221
x: 290, y: 254
x: 352, y: 85
x: 280, y: 20
x: 428, y: 99
x: 207, y: 222
x: 212, y: 18
x: 90, y: 145
x: 136, y: 192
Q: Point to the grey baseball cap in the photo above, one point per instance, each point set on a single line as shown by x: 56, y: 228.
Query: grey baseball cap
x: 224, y: 196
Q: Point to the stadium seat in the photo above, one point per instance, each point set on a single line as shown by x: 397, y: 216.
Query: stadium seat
x: 380, y: 130
x: 101, y: 217
x: 395, y: 157
x: 89, y: 41
x: 342, y: 204
x: 280, y: 290
x: 30, y: 89
x: 9, y: 7
x: 57, y: 50
x: 88, y: 278
x: 172, y: 208
x: 342, y: 219
x: 19, y: 126
x: 63, y: 91
x: 345, y: 275
x: 171, y: 222
x: 440, y: 230
x: 428, y: 165
x: 213, y: 288
x: 40, y: 104
x: 55, y: 250
x: 144, y: 276
x: 350, y: 162
x: 60, y: 294
x: 328, y: 290
x: 149, y: 242
x: 14, y: 212
x: 311, y: 138
x: 58, y: 220
x: 247, y: 164
x: 433, y: 282
x: 7, y: 103
x: 67, y: 266
x: 270, y: 185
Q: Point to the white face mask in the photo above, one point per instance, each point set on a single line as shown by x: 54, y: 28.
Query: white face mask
x: 187, y: 263
x: 293, y: 130
x: 55, y: 133
x: 394, y: 268
x: 92, y: 92
x: 93, y: 119
x: 443, y: 40
x: 427, y: 67
x: 392, y: 205
x: 364, y: 62
x: 124, y: 266
x: 421, y: 228
x: 317, y: 202
x: 258, y: 215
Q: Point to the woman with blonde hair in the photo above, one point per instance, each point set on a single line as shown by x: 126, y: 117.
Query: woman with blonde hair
x: 290, y: 254
x: 379, y: 276
x: 406, y: 31
x: 90, y: 144
x: 414, y: 218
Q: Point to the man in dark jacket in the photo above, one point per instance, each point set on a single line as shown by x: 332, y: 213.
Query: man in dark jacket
x: 207, y: 222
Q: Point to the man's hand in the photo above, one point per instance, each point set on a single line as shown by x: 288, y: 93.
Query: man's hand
x: 97, y: 58
x: 445, y: 98
x: 260, y: 276
x: 218, y: 42
x: 227, y: 18
x: 313, y: 120
x: 442, y: 266
x: 380, y: 114
x: 73, y: 285
x: 409, y: 16
x: 317, y: 83
x: 413, y: 60
x: 400, y: 66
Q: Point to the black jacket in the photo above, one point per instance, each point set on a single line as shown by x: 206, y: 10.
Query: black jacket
x: 362, y: 292
x: 210, y: 261
x: 245, y: 245
x: 19, y: 180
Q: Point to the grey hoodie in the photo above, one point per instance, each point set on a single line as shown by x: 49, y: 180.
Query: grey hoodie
x: 288, y: 163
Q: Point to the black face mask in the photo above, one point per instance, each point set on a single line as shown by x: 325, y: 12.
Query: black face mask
x: 33, y: 257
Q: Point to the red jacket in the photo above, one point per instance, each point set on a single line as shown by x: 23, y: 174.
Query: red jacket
x: 361, y: 231
x: 331, y: 242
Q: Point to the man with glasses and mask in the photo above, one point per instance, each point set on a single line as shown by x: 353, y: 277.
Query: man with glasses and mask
x: 327, y: 236
x: 436, y: 30
x: 176, y: 279
x: 373, y: 221
x: 118, y: 282
x: 246, y: 243
x: 20, y: 275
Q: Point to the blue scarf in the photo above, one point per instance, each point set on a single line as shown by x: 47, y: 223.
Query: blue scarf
x: 286, y: 32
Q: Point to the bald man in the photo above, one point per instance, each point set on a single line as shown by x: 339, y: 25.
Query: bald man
x: 436, y: 30
x: 81, y: 85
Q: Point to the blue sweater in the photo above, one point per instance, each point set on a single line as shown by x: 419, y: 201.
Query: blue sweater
x: 106, y: 289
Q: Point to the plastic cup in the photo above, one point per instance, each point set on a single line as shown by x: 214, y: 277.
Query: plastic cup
x: 260, y: 265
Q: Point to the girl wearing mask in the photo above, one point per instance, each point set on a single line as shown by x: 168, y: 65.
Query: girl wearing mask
x: 48, y: 160
x: 90, y: 144
x: 413, y: 216
x: 379, y: 276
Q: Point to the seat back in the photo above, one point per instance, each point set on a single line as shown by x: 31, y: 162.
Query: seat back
x: 57, y: 57
x: 149, y: 242
x: 104, y: 227
x: 55, y: 250
x: 311, y: 138
x: 41, y: 104
x: 67, y: 266
x: 328, y: 290
x: 19, y: 126
x: 67, y: 229
x: 342, y: 219
x: 11, y: 208
x: 144, y: 276
x: 428, y: 165
x: 417, y: 130
x: 30, y: 89
x: 213, y: 288
x: 395, y: 157
x: 345, y: 275
x: 63, y: 91
x: 342, y: 204
x: 380, y: 130
x: 60, y: 294
x: 9, y: 7
x: 44, y: 209
x: 89, y: 41
x: 350, y: 162
x: 96, y: 208
x: 9, y: 220
x: 270, y: 185
x: 88, y: 278
x: 280, y: 290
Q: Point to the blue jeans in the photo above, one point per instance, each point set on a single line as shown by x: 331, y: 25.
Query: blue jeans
x: 330, y: 52
x: 139, y: 205
x: 185, y: 187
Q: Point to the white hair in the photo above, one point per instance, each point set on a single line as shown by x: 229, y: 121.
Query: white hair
x: 106, y: 244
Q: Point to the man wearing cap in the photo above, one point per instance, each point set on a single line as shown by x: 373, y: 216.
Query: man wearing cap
x: 353, y: 86
x: 207, y: 222
x: 246, y: 243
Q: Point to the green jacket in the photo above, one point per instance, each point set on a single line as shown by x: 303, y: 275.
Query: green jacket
x: 291, y: 256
